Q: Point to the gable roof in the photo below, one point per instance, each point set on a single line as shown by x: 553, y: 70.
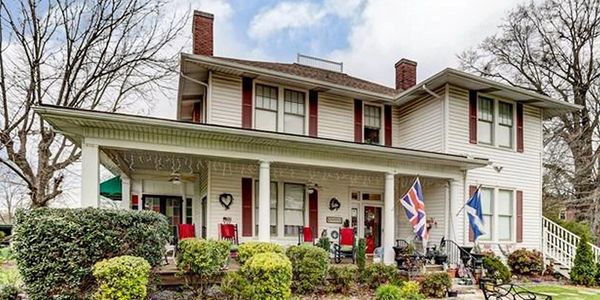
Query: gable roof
x: 317, y: 74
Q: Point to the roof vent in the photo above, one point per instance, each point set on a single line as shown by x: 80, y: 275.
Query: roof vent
x: 320, y: 63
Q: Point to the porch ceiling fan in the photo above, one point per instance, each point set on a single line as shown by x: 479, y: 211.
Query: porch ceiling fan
x: 177, y: 178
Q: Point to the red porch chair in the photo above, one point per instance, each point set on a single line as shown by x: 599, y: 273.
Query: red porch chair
x: 305, y: 236
x: 346, y: 247
x: 229, y: 232
x: 186, y: 231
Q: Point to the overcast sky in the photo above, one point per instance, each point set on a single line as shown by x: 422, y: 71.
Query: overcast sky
x: 368, y: 36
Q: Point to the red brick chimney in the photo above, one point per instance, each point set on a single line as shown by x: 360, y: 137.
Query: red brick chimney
x: 202, y: 30
x: 406, y: 74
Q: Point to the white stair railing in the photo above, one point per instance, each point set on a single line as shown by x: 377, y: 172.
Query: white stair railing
x: 560, y: 244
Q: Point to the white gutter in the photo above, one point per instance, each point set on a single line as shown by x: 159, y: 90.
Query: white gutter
x: 172, y: 124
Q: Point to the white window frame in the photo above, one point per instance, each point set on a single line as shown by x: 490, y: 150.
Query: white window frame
x: 280, y: 208
x: 493, y: 236
x: 496, y: 122
x: 280, y: 103
x: 381, y: 121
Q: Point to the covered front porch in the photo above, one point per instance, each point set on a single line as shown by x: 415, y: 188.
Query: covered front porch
x: 268, y: 184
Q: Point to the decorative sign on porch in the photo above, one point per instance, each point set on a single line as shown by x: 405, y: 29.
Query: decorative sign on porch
x: 334, y: 220
x: 226, y: 200
x: 334, y: 204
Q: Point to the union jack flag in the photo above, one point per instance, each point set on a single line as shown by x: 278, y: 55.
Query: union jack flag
x: 415, y: 210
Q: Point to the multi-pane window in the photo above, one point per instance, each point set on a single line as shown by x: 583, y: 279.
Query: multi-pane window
x: 293, y: 208
x: 188, y: 211
x: 485, y: 120
x: 293, y: 112
x: 487, y: 207
x: 505, y: 124
x: 505, y: 215
x: 266, y: 107
x: 272, y: 210
x: 372, y: 124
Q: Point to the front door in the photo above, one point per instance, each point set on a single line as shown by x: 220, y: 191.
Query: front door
x: 169, y: 206
x: 372, y: 227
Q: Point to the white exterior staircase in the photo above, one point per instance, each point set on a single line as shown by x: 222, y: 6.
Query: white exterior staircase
x: 559, y: 244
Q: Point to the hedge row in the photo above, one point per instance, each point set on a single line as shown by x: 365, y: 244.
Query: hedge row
x: 55, y: 249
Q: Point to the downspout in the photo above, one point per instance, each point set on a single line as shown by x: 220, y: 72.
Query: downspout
x: 430, y: 92
x: 205, y: 85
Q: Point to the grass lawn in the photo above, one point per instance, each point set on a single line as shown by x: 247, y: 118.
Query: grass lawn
x: 564, y: 292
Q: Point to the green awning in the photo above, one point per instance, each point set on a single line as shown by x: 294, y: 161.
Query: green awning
x: 111, y: 188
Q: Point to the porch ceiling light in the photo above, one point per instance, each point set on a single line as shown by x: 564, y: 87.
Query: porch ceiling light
x: 175, y: 178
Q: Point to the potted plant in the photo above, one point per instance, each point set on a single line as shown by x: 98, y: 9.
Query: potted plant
x: 440, y: 257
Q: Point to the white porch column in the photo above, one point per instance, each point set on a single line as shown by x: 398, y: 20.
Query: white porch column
x: 125, y: 192
x: 90, y: 175
x: 264, y: 195
x: 389, y: 220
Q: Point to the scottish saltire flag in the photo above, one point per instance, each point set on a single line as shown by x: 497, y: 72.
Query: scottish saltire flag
x: 415, y: 210
x: 475, y: 213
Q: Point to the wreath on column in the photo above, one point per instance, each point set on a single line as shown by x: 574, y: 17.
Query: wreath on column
x: 226, y: 200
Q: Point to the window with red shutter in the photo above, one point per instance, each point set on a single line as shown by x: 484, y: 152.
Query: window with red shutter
x: 472, y: 117
x: 520, y: 127
x: 358, y: 121
x: 313, y: 113
x: 387, y: 126
x: 246, y: 206
x: 247, y: 102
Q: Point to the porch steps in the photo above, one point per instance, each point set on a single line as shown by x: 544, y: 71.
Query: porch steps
x: 560, y: 245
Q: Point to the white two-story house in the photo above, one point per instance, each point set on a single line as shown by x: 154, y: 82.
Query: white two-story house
x: 273, y: 147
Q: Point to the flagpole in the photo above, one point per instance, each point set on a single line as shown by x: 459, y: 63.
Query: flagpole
x: 463, y: 207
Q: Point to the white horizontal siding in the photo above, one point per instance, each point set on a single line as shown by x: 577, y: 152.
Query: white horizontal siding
x: 434, y: 193
x: 336, y: 117
x: 226, y: 101
x: 419, y: 124
x: 520, y: 171
x: 226, y: 178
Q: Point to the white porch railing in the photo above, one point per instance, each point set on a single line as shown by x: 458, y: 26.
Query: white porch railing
x: 561, y: 244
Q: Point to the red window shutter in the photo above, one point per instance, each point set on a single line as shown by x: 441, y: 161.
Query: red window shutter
x: 519, y: 127
x: 358, y: 121
x: 519, y: 216
x: 313, y: 113
x: 313, y: 212
x: 247, y: 207
x: 472, y: 116
x: 387, y: 124
x: 472, y: 190
x: 246, y: 102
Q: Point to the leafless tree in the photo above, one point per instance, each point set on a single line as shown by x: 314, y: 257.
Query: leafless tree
x: 91, y: 54
x: 13, y: 196
x: 551, y: 47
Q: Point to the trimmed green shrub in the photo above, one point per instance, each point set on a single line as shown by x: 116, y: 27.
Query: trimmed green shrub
x: 436, y: 284
x: 202, y: 261
x: 324, y: 244
x: 55, y: 249
x: 378, y: 274
x: 361, y: 255
x: 584, y: 265
x: 342, y: 278
x: 526, y: 262
x: 309, y: 267
x: 410, y: 290
x: 233, y: 284
x: 269, y: 276
x: 249, y: 249
x: 122, y: 278
x: 388, y: 292
x: 496, y: 269
x: 9, y: 292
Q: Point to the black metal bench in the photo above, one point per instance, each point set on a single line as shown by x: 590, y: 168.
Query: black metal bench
x: 492, y: 291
